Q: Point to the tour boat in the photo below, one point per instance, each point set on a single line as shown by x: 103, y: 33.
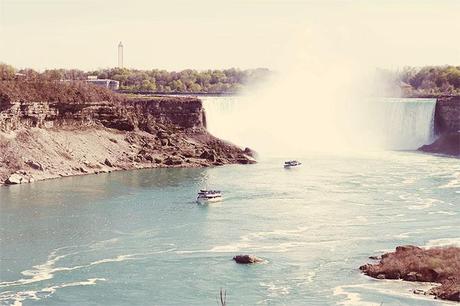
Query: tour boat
x: 292, y: 164
x: 209, y: 196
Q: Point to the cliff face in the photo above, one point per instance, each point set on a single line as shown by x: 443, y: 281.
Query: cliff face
x: 40, y: 140
x: 447, y: 115
x: 143, y: 114
x: 446, y: 127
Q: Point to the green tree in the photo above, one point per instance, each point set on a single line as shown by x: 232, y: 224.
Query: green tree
x: 7, y: 72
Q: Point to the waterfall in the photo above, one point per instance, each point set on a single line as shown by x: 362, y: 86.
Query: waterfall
x: 313, y: 125
x: 222, y: 117
x: 407, y: 124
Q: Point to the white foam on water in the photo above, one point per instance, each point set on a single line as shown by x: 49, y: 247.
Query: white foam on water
x: 454, y: 182
x: 114, y: 259
x: 307, y: 280
x: 47, y: 270
x: 442, y: 212
x: 421, y: 203
x: 351, y: 298
x: 104, y: 243
x: 409, y: 180
x: 395, y: 288
x: 38, y: 272
x: 258, y: 245
x: 443, y: 242
x: 402, y: 235
x: 275, y: 289
x: 254, y: 241
x: 16, y: 298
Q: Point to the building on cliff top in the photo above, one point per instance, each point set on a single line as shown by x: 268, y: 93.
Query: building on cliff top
x: 107, y: 83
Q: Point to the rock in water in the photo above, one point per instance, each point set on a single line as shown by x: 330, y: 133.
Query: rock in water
x: 448, y: 144
x: 412, y: 263
x: 246, y: 259
x: 250, y: 152
x: 14, y: 179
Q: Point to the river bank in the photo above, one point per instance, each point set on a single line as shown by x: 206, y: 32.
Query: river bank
x: 61, y: 136
x: 414, y: 264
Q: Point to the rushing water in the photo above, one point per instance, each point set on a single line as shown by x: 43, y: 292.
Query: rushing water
x: 383, y: 123
x: 407, y: 124
x: 138, y: 237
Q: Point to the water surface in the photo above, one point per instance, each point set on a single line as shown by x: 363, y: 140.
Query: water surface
x: 138, y: 238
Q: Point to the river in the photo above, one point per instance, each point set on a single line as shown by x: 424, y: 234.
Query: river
x: 139, y: 238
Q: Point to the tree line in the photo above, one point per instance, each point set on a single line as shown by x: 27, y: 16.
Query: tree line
x: 155, y: 80
x: 433, y: 80
x: 421, y: 81
x: 429, y: 80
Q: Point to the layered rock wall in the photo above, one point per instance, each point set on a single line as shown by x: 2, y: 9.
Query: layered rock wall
x: 183, y: 113
x: 447, y: 115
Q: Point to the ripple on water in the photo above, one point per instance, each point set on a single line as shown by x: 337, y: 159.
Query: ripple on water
x: 357, y: 294
x: 48, y: 269
x: 443, y: 242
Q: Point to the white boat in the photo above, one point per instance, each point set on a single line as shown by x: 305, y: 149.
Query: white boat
x: 209, y: 196
x: 292, y: 164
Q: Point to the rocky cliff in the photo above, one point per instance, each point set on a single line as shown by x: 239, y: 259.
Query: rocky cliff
x: 40, y: 140
x: 447, y: 115
x: 446, y: 127
x: 137, y: 113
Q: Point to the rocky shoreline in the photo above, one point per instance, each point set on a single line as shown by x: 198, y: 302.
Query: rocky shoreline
x: 51, y: 139
x: 412, y: 263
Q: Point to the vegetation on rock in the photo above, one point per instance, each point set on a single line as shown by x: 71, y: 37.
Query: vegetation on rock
x: 411, y: 263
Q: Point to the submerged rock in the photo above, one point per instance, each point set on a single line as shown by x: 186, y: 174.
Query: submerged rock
x: 247, y: 259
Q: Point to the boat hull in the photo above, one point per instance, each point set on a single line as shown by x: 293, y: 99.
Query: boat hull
x: 291, y: 167
x: 208, y: 200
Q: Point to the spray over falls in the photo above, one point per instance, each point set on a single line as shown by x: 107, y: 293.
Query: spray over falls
x: 378, y: 123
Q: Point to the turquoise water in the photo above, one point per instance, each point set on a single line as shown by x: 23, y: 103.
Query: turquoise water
x: 138, y: 238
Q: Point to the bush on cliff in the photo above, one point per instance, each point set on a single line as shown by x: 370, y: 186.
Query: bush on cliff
x: 40, y: 89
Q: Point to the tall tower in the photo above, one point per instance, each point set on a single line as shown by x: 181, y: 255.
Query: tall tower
x: 120, y: 55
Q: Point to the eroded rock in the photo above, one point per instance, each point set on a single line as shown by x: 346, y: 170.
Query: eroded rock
x: 412, y: 263
x: 247, y: 259
x: 14, y: 179
x: 34, y: 165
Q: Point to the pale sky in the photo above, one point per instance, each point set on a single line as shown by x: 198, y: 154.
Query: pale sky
x: 204, y: 34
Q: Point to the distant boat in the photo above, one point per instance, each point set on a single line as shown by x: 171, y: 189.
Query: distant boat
x: 209, y: 196
x: 292, y: 164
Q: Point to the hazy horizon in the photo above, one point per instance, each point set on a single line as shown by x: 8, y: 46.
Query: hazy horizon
x: 214, y: 35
